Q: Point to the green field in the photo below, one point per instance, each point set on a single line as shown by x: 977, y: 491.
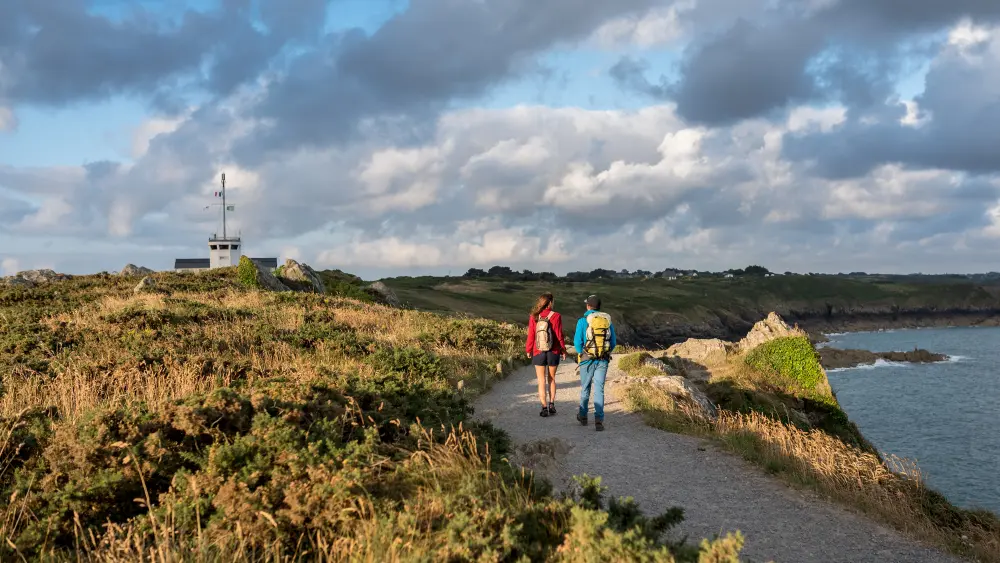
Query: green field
x: 660, y: 311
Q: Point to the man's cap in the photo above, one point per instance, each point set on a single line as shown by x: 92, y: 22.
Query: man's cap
x: 594, y: 301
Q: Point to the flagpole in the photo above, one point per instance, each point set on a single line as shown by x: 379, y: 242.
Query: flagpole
x: 223, y: 206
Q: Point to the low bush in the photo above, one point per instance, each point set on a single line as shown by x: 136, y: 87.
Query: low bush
x: 247, y: 273
x: 794, y: 361
x: 630, y: 364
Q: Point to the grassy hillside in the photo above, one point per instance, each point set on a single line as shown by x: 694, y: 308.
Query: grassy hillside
x: 657, y: 311
x: 204, y: 421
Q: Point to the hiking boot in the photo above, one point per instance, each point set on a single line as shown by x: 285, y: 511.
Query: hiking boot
x: 545, y: 411
x: 599, y: 425
x: 582, y: 419
x: 552, y: 408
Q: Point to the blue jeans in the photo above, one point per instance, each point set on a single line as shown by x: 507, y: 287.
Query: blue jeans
x: 592, y: 373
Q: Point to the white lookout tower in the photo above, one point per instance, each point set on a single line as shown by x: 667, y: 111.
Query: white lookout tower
x: 224, y: 251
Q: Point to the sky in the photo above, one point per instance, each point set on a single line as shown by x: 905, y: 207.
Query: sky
x: 412, y: 137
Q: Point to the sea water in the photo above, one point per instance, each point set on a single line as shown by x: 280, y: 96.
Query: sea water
x: 945, y: 415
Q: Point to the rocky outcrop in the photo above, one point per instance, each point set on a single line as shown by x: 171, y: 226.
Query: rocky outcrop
x: 145, y: 284
x: 31, y: 278
x: 699, y: 350
x: 385, y: 294
x: 679, y: 387
x: 302, y: 275
x: 15, y: 281
x: 267, y: 280
x: 133, y: 271
x: 771, y: 327
x: 254, y: 275
x: 659, y: 365
x: 834, y: 358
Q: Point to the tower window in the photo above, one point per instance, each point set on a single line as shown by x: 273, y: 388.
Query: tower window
x: 213, y: 246
x: 224, y: 247
x: 236, y: 247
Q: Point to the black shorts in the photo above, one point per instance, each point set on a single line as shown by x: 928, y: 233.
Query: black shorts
x: 545, y: 359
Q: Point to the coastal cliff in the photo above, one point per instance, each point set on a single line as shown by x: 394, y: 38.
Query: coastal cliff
x: 656, y: 328
x: 655, y: 312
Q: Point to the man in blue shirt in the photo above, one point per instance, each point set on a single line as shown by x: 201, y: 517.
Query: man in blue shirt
x: 594, y: 340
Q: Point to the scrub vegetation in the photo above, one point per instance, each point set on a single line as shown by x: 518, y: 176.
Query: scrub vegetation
x: 202, y: 420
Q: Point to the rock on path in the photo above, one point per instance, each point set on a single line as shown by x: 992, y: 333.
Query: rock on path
x: 718, y: 491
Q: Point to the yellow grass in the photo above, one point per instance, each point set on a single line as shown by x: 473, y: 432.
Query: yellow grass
x: 891, y: 489
x: 100, y: 375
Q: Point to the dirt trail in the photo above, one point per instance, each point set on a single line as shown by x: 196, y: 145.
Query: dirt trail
x: 718, y: 491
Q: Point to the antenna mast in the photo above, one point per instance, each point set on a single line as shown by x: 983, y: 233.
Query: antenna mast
x: 224, y: 205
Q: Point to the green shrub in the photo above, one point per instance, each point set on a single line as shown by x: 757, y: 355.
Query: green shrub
x: 340, y: 338
x: 411, y: 362
x: 247, y: 273
x: 468, y: 333
x: 630, y: 363
x: 349, y: 291
x: 792, y: 358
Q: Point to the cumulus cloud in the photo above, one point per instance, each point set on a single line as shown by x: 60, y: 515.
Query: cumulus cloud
x: 946, y: 126
x: 60, y: 52
x: 658, y: 27
x: 779, y: 140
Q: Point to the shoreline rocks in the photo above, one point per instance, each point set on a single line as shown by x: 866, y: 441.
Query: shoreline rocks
x: 836, y: 358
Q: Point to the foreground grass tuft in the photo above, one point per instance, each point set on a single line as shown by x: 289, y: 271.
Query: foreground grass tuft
x: 210, y: 421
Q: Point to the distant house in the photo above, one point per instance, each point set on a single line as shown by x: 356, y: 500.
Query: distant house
x: 728, y: 276
x: 201, y: 264
x: 672, y: 278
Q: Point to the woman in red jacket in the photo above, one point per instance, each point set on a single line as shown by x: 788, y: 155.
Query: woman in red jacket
x: 545, y: 347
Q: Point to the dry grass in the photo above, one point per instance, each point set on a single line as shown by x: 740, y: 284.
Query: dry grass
x: 886, y: 487
x: 206, y: 422
x: 103, y: 372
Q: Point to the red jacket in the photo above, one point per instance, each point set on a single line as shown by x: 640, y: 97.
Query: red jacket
x: 555, y: 321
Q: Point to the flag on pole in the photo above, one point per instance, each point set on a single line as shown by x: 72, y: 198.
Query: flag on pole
x: 218, y: 194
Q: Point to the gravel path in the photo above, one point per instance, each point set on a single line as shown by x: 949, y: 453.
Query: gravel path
x: 718, y: 491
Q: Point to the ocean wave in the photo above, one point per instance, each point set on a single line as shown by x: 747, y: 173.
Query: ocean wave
x: 879, y: 363
x: 955, y: 359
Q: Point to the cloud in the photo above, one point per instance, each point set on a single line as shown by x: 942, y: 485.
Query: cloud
x: 947, y: 126
x: 9, y: 266
x: 416, y: 64
x: 8, y: 121
x: 782, y: 139
x: 660, y: 26
x: 60, y: 52
x: 788, y: 53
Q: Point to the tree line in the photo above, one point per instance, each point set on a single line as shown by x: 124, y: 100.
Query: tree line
x: 507, y: 273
